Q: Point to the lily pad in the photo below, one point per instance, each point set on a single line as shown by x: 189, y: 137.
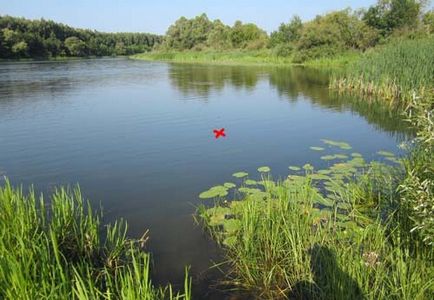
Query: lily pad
x: 385, y: 153
x: 250, y: 182
x: 355, y: 154
x: 231, y: 225
x: 249, y: 190
x: 264, y: 169
x: 308, y: 167
x: 240, y: 174
x: 342, y: 145
x: 317, y: 148
x: 215, y: 191
x: 319, y: 177
x: 324, y: 172
x: 328, y: 157
x: 229, y: 185
x: 294, y: 168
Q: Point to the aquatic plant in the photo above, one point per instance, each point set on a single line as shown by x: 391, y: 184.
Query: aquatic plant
x: 393, y: 72
x: 56, y: 250
x: 320, y: 234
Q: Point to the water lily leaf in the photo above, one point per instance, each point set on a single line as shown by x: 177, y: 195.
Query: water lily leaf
x: 385, y: 153
x: 229, y: 185
x: 249, y: 190
x: 328, y: 157
x: 355, y: 154
x: 324, y: 172
x: 264, y: 169
x: 259, y: 196
x: 250, y: 182
x: 342, y: 145
x: 230, y: 241
x: 215, y: 191
x: 294, y: 168
x: 308, y: 167
x: 217, y: 215
x: 240, y: 174
x: 341, y: 156
x: 319, y: 177
x: 231, y: 225
x: 317, y: 148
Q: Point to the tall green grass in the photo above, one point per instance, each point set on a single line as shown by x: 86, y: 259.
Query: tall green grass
x: 58, y: 249
x: 334, y: 233
x: 393, y: 72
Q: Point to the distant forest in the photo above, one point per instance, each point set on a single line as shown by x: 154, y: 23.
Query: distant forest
x: 326, y: 35
x: 22, y: 38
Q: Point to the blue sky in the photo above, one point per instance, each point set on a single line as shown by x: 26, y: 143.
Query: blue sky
x: 156, y: 16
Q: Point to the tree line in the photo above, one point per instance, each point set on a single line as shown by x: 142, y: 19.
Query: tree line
x: 23, y: 38
x: 325, y: 35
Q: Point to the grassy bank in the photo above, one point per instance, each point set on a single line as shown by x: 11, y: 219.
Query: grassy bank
x: 58, y: 249
x: 393, y: 72
x: 257, y: 57
x: 354, y: 230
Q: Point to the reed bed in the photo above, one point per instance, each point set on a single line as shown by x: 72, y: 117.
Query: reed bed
x: 58, y: 250
x: 393, y: 72
x: 338, y: 233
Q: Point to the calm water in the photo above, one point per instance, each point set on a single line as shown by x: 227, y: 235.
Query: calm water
x: 138, y: 137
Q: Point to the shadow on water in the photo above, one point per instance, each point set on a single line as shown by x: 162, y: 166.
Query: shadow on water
x: 329, y: 280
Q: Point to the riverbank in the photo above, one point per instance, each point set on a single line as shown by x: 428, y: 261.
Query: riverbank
x: 354, y: 230
x: 238, y: 57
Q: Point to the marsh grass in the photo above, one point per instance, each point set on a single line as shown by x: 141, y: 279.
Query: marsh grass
x: 321, y: 234
x: 393, y: 72
x: 55, y: 250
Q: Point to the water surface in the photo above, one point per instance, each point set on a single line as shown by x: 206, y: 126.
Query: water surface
x: 138, y: 137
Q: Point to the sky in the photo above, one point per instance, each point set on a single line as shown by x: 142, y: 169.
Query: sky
x: 156, y: 16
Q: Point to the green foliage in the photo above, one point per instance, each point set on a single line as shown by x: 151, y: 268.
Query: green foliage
x: 22, y: 38
x: 334, y: 33
x: 55, y: 250
x: 248, y: 36
x: 287, y: 33
x: 389, y: 15
x: 392, y: 72
x: 200, y: 33
x: 428, y: 21
x: 75, y: 46
x: 417, y: 189
x: 330, y: 234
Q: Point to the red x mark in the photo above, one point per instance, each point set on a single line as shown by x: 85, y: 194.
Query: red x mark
x: 219, y: 133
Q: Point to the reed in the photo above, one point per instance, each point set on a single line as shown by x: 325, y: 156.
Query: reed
x: 393, y: 72
x: 335, y: 233
x: 55, y: 250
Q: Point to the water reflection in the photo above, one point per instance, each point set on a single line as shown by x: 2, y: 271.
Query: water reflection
x: 202, y: 80
x: 292, y: 84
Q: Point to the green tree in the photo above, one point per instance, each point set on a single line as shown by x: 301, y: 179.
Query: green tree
x: 248, y: 36
x: 220, y: 36
x: 428, y: 21
x: 20, y: 49
x: 75, y: 46
x: 389, y: 15
x: 287, y: 33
